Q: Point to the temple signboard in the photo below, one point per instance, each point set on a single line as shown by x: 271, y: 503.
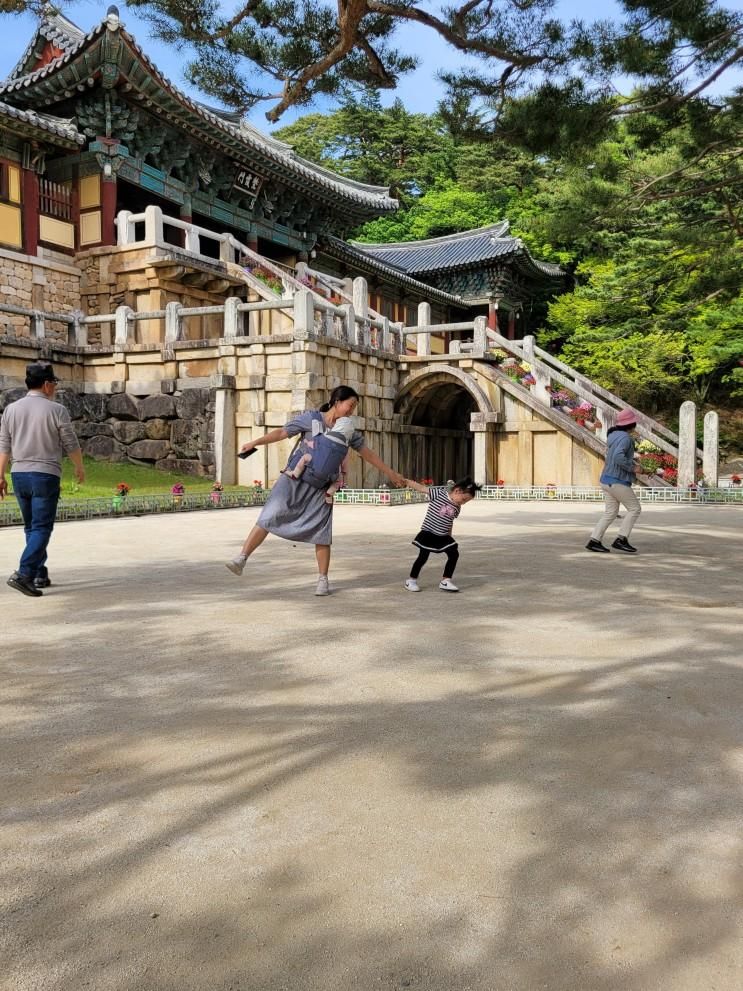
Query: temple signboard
x: 247, y: 182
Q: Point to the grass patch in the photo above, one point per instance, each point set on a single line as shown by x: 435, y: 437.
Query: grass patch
x: 102, y: 477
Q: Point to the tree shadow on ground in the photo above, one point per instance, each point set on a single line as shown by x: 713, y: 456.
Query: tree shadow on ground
x: 539, y: 789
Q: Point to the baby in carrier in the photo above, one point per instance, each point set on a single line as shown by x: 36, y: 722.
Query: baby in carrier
x: 320, y: 460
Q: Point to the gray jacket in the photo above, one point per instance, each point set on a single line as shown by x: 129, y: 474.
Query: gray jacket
x: 619, y: 461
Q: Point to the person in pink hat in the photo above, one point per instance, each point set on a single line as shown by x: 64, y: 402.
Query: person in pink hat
x: 616, y: 481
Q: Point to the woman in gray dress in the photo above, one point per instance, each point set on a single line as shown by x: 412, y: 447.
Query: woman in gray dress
x: 295, y: 510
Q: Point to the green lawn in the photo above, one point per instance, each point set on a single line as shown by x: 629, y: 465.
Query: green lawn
x: 102, y: 477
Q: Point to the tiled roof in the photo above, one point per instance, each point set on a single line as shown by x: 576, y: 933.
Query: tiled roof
x: 44, y: 122
x: 55, y: 28
x: 348, y: 252
x: 365, y: 196
x: 438, y: 254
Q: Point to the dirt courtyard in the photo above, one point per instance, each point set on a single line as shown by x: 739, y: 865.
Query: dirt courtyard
x: 211, y: 783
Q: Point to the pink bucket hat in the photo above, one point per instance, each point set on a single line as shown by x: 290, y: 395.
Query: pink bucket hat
x: 626, y: 417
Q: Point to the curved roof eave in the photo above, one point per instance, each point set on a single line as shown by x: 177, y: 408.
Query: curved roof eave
x: 56, y: 126
x: 362, y: 196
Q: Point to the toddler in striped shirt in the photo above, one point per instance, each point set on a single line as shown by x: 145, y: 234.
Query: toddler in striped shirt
x: 435, y: 536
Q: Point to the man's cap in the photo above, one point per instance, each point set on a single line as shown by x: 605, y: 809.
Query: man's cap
x: 41, y: 371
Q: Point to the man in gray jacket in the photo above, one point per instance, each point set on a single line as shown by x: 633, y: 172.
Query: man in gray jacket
x: 36, y: 433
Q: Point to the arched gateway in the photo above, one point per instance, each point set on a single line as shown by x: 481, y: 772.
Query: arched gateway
x: 437, y: 408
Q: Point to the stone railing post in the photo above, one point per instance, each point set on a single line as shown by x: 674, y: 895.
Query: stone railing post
x: 124, y: 228
x: 173, y: 322
x: 78, y: 330
x: 304, y: 314
x: 711, y: 444
x: 386, y: 344
x: 540, y: 389
x: 349, y: 320
x: 361, y: 308
x: 124, y: 324
x: 38, y: 329
x: 479, y: 337
x: 226, y: 250
x: 423, y: 341
x: 233, y: 322
x: 687, y: 444
x: 193, y: 242
x: 153, y: 225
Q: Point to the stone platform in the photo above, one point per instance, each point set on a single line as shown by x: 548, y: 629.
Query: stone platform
x: 212, y: 783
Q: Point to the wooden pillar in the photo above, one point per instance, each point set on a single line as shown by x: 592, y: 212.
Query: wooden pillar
x: 30, y: 212
x: 108, y: 209
x: 511, y: 325
x: 493, y: 315
x: 185, y: 214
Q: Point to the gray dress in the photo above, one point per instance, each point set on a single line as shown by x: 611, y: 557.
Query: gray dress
x: 296, y: 510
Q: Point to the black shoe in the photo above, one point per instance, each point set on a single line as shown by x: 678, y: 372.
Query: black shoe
x: 597, y: 546
x: 42, y: 581
x: 25, y: 585
x: 622, y: 544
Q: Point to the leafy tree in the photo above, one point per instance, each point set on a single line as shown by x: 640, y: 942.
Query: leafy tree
x: 408, y: 152
x: 287, y: 53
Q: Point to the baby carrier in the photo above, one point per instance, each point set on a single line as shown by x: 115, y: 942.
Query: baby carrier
x: 327, y: 457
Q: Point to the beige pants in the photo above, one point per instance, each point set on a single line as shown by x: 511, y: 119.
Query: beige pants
x: 614, y: 495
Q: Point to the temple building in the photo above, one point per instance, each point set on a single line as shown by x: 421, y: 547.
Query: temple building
x: 193, y: 281
x: 89, y: 127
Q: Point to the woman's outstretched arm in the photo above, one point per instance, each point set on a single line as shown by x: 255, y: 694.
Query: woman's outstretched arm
x: 410, y: 484
x: 269, y: 438
x: 372, y: 458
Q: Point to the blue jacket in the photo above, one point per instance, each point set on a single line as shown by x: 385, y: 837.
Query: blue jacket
x: 619, y: 461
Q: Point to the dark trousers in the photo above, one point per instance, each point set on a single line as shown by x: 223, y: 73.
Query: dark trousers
x: 452, y: 556
x: 37, y: 493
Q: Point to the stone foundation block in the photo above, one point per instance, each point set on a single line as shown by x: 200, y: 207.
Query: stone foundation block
x: 128, y: 432
x: 123, y: 407
x: 160, y: 407
x: 149, y: 450
x: 158, y: 429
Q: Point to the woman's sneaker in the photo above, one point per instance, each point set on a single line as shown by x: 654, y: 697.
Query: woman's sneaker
x: 622, y: 544
x: 236, y: 565
x: 323, y: 586
x: 447, y: 585
x: 412, y: 585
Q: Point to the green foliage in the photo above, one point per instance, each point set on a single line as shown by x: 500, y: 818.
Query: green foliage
x: 651, y: 227
x: 440, y: 211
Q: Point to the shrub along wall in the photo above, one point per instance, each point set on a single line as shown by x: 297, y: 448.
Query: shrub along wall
x: 170, y: 432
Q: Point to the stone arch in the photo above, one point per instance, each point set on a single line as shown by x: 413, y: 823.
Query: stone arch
x: 433, y: 408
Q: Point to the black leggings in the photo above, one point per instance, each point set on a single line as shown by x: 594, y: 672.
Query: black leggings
x: 452, y: 556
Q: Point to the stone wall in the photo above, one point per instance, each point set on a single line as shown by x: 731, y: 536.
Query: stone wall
x: 38, y: 284
x: 169, y: 432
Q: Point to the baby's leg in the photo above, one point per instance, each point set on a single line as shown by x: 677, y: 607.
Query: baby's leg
x: 296, y: 471
x: 330, y: 492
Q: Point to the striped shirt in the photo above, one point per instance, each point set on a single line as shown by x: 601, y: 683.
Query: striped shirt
x: 441, y: 511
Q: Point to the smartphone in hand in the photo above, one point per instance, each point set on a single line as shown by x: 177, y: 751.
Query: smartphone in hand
x: 246, y: 454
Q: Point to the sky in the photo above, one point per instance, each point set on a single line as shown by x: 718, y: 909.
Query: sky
x: 420, y: 90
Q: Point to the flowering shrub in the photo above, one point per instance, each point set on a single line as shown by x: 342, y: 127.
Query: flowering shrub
x: 670, y: 474
x: 178, y: 489
x: 735, y: 479
x: 500, y: 483
x: 217, y: 487
x: 268, y: 277
x: 498, y: 355
x: 123, y: 489
x: 258, y: 483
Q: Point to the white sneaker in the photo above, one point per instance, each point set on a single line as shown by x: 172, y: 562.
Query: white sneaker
x: 412, y: 585
x: 447, y: 585
x: 323, y: 587
x: 236, y: 565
